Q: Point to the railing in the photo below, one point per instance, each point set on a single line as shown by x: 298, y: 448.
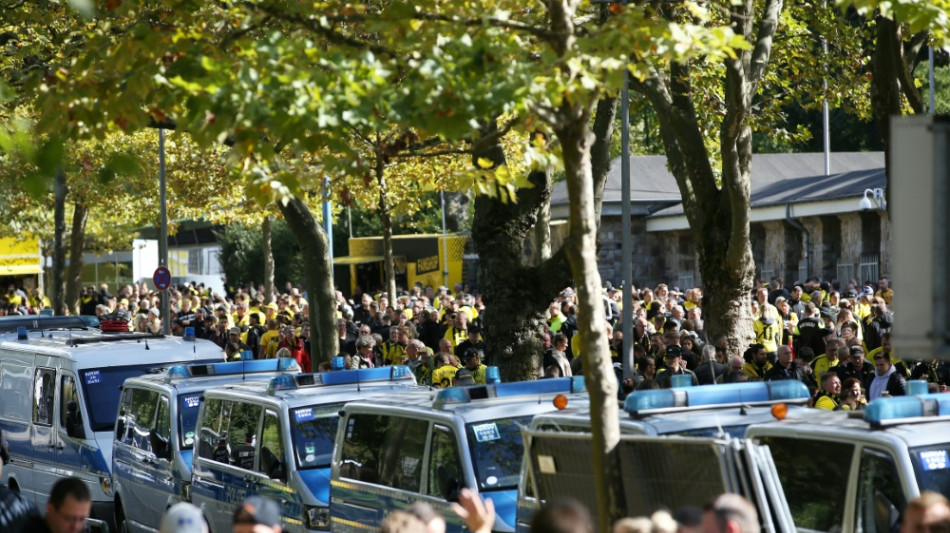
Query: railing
x: 869, y: 268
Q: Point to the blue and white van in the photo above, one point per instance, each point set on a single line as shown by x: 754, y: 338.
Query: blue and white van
x: 702, y: 412
x: 155, y: 434
x: 854, y: 471
x: 391, y: 452
x: 58, y: 399
x: 276, y: 439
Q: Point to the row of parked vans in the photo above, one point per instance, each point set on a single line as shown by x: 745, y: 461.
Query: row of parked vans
x: 148, y: 421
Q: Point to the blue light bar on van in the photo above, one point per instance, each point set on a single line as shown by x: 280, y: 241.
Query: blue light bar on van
x: 712, y: 395
x: 455, y: 395
x: 396, y: 373
x: 492, y: 376
x: 234, y: 368
x: 21, y: 333
x: 189, y: 334
x: 900, y: 408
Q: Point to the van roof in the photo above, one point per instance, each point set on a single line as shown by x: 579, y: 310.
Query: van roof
x: 683, y: 420
x: 492, y: 408
x: 200, y: 376
x: 9, y: 324
x: 95, y: 349
x: 838, y: 425
x: 329, y: 394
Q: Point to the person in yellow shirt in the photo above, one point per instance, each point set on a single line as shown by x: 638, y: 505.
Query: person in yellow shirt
x: 758, y: 364
x: 473, y: 364
x: 270, y: 340
x: 827, y: 398
x: 457, y: 330
x: 828, y: 360
x: 445, y: 370
x: 885, y: 291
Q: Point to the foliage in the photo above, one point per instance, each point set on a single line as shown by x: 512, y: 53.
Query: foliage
x: 242, y: 255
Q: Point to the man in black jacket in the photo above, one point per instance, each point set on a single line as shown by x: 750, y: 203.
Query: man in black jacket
x: 786, y: 368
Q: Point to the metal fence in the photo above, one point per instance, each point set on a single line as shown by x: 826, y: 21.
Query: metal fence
x: 867, y: 268
x: 685, y: 281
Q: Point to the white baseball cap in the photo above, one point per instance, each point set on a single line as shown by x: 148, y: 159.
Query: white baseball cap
x: 183, y: 518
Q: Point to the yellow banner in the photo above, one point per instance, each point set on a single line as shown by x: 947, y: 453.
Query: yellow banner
x: 20, y: 255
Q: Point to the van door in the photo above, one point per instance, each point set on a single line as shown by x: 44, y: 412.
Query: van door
x: 16, y: 414
x: 138, y: 418
x: 881, y: 495
x: 47, y: 447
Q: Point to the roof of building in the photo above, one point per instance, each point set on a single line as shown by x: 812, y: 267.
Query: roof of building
x: 776, y: 179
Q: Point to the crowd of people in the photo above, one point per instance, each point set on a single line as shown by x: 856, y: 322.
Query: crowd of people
x: 833, y: 337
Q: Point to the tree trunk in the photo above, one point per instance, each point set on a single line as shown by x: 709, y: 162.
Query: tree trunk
x: 885, y: 87
x: 456, y: 210
x: 542, y: 236
x: 77, y: 240
x: 58, y: 292
x: 387, y: 221
x: 267, y: 238
x: 581, y: 247
x: 519, y: 294
x: 315, y: 248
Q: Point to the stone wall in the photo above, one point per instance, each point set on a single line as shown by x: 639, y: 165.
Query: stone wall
x: 650, y: 255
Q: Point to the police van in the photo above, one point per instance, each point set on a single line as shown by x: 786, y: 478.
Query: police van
x: 705, y: 411
x: 393, y: 451
x: 58, y: 399
x: 276, y: 439
x: 849, y: 472
x: 155, y: 435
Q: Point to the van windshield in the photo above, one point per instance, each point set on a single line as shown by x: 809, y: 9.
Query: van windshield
x: 314, y: 429
x: 497, y: 450
x: 932, y: 466
x: 101, y: 391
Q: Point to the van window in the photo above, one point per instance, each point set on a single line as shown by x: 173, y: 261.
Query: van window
x: 212, y: 442
x: 445, y: 469
x: 100, y: 390
x: 497, y: 451
x: 314, y: 429
x: 16, y: 400
x: 163, y: 425
x: 142, y: 407
x: 242, y: 434
x: 272, y: 448
x: 932, y: 466
x: 386, y: 450
x: 44, y: 383
x: 69, y: 412
x: 880, y: 495
x: 814, y: 477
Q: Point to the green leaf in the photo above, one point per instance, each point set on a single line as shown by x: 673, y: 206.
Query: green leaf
x: 49, y: 159
x: 124, y: 164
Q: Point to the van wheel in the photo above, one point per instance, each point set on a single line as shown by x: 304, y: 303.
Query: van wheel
x: 12, y: 485
x: 120, y: 523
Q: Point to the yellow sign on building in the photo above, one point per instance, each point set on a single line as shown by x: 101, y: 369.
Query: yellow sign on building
x: 20, y: 256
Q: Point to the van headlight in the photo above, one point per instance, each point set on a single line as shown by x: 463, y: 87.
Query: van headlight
x: 317, y: 517
x: 106, y: 484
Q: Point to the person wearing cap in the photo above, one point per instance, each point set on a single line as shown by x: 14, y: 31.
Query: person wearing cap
x: 857, y: 367
x: 471, y: 362
x: 235, y: 346
x: 674, y: 366
x: 474, y: 341
x: 183, y: 517
x: 257, y: 514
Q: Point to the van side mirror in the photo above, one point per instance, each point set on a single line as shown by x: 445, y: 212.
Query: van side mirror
x: 95, y: 526
x: 120, y: 429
